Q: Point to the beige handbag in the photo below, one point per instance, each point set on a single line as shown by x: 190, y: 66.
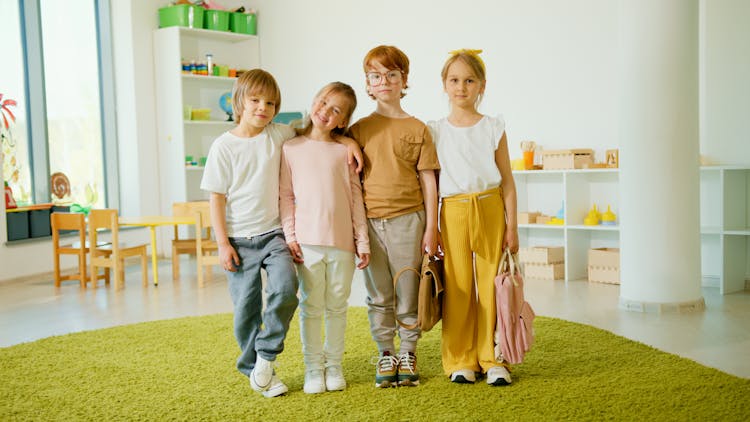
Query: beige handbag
x: 430, y: 296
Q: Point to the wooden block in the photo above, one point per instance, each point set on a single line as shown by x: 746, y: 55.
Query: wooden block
x: 604, y: 265
x: 527, y: 217
x: 544, y: 271
x: 542, y: 255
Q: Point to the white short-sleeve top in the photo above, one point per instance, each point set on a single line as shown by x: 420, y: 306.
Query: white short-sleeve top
x: 246, y: 170
x: 467, y: 155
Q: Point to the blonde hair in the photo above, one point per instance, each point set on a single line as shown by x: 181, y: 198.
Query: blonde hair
x: 254, y: 82
x: 390, y: 57
x: 470, y: 58
x: 335, y: 88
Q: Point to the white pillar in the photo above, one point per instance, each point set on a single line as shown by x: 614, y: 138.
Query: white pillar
x: 659, y: 156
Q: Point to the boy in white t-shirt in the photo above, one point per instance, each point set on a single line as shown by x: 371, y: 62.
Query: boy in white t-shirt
x: 242, y: 176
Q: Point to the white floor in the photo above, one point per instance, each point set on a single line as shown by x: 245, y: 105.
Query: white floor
x: 32, y: 309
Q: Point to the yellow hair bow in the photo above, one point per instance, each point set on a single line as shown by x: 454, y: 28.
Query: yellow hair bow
x: 470, y: 52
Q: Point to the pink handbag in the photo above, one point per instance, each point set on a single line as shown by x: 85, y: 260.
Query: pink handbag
x: 514, y: 333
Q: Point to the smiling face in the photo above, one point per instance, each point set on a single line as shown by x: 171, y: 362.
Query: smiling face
x: 462, y: 85
x: 330, y: 110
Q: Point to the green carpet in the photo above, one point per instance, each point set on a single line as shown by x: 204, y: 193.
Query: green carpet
x: 183, y: 369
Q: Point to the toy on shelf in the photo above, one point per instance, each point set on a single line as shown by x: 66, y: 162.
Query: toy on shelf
x: 225, y: 102
x: 559, y: 218
x: 609, y: 218
x: 593, y: 218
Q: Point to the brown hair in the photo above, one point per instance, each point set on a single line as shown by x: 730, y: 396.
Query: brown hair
x: 392, y: 58
x: 254, y: 82
x: 470, y: 58
x: 335, y: 88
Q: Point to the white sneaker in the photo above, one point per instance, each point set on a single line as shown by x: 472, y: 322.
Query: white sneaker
x: 275, y: 388
x: 463, y: 376
x: 335, y: 378
x: 314, y: 382
x: 498, y: 375
x: 261, y: 375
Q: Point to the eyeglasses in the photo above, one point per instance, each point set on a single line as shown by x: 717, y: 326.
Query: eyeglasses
x: 376, y: 78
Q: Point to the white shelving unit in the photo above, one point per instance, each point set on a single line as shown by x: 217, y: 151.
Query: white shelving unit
x: 178, y: 137
x: 725, y: 218
x: 576, y: 191
x: 725, y: 227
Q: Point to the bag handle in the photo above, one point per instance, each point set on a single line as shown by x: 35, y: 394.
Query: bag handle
x: 395, y: 296
x: 507, y: 260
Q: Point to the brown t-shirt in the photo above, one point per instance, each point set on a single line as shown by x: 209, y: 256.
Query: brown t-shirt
x: 395, y: 150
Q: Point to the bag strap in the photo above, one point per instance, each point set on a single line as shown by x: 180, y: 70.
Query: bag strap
x: 508, y: 261
x: 395, y: 295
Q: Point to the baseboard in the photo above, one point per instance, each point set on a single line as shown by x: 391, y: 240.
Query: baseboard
x: 662, y: 308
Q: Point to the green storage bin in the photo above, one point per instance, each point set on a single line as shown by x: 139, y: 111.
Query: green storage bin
x: 181, y: 15
x: 243, y: 23
x: 217, y: 20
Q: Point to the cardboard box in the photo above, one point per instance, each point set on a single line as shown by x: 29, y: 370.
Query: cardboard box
x: 567, y: 159
x: 541, y: 255
x: 544, y: 271
x: 604, y: 265
x: 527, y: 217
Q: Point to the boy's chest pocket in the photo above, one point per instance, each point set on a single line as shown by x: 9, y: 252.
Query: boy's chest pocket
x: 408, y: 147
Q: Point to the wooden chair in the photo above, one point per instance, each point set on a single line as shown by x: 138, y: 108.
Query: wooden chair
x: 71, y: 222
x: 207, y: 250
x: 187, y: 245
x: 113, y: 255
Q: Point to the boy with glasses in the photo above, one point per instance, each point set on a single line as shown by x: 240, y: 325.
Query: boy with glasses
x: 400, y: 195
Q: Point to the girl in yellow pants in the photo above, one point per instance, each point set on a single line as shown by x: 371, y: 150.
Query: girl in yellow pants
x: 471, y: 223
x: 477, y: 220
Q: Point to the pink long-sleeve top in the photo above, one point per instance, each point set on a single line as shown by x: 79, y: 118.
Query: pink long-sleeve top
x: 320, y: 197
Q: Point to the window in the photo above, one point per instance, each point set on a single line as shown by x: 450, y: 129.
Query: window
x: 60, y: 78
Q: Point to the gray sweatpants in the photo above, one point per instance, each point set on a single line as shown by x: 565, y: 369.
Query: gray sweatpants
x: 395, y: 243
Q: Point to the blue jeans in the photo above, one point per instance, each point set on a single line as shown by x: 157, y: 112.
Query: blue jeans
x: 267, y: 251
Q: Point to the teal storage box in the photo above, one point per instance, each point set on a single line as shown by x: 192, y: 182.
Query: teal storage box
x: 17, y: 225
x: 217, y: 20
x: 244, y: 23
x: 181, y: 15
x: 39, y: 223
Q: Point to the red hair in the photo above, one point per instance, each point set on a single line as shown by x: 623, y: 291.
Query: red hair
x: 392, y: 58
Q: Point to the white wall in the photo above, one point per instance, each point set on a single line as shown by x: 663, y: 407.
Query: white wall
x: 551, y: 65
x: 552, y: 73
x: 725, y: 79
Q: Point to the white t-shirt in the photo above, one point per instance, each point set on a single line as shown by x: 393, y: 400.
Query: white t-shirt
x: 246, y: 170
x: 467, y: 155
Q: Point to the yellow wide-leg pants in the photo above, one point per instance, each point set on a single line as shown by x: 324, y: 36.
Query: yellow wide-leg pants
x: 472, y: 229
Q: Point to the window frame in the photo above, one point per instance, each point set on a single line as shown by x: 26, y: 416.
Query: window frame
x: 36, y: 120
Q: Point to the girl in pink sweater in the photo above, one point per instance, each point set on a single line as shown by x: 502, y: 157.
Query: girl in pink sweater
x: 323, y: 216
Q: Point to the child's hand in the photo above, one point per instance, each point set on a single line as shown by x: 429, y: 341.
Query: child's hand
x: 228, y: 258
x: 430, y: 242
x: 296, y: 252
x: 364, y: 260
x: 353, y: 153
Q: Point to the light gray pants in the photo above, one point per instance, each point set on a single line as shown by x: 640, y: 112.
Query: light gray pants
x: 325, y: 284
x: 395, y: 243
